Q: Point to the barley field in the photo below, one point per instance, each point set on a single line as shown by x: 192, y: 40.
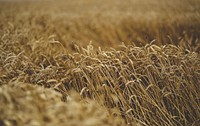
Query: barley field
x: 99, y: 63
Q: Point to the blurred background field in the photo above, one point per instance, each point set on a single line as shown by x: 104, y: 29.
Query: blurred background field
x: 136, y: 60
x: 105, y: 22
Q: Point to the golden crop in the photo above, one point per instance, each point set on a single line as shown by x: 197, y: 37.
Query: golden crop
x: 87, y: 63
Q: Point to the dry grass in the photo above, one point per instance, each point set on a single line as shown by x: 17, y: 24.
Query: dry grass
x: 152, y: 85
x: 151, y: 79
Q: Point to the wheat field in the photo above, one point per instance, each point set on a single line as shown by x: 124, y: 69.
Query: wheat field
x: 99, y: 63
